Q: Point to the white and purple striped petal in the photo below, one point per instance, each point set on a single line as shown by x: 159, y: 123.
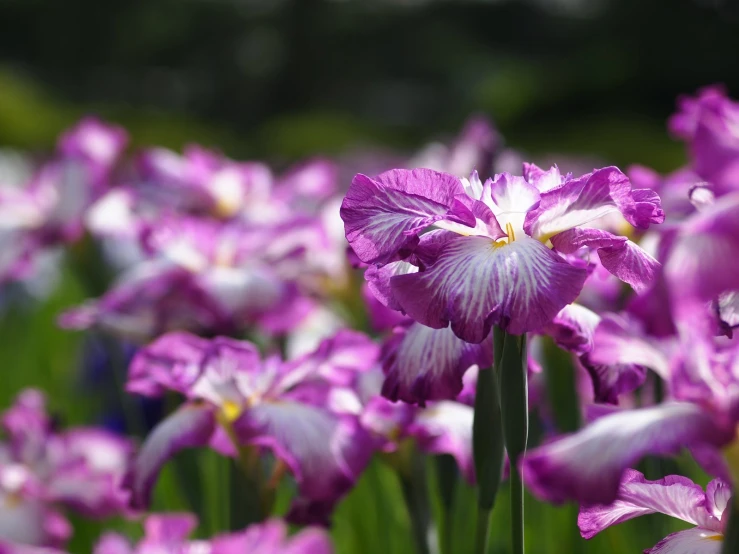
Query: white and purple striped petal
x: 674, y: 496
x: 590, y: 197
x: 325, y: 452
x: 190, y: 426
x: 587, y: 466
x: 421, y: 363
x: 691, y: 541
x: 620, y: 256
x: 476, y: 283
x: 384, y: 216
x: 446, y: 428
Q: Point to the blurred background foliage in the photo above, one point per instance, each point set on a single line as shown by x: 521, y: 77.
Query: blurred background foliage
x: 282, y: 79
x: 288, y: 78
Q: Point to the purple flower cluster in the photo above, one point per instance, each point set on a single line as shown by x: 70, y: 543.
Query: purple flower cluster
x: 243, y: 291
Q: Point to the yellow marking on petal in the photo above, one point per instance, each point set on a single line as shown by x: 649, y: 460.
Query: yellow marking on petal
x: 226, y: 208
x: 719, y: 538
x: 231, y: 410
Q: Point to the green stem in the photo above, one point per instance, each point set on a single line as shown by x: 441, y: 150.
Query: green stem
x: 731, y: 535
x: 482, y: 531
x: 415, y: 493
x: 487, y: 442
x: 446, y: 478
x: 258, y: 501
x: 515, y: 412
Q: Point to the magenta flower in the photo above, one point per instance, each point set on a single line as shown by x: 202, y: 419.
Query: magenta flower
x: 701, y: 415
x: 443, y: 427
x: 168, y: 534
x: 499, y: 255
x: 574, y: 329
x: 710, y: 126
x: 236, y: 400
x: 675, y: 496
x: 205, y: 276
x: 43, y: 472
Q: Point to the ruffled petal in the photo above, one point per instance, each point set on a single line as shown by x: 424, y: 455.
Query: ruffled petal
x: 383, y: 216
x: 691, y: 541
x: 578, y: 201
x: 674, y: 496
x: 421, y: 363
x: 618, y: 255
x: 476, y: 284
x: 172, y: 362
x: 588, y: 465
x: 190, y: 426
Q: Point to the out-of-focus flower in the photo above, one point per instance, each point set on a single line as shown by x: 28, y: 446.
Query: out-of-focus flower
x: 43, y: 471
x: 47, y: 210
x: 237, y: 401
x: 205, y: 276
x: 709, y: 124
x: 701, y: 415
x: 573, y: 329
x: 675, y: 496
x: 168, y: 534
x: 498, y: 254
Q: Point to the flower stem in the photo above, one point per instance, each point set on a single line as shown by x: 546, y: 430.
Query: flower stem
x: 446, y: 477
x: 515, y: 413
x: 259, y: 501
x: 487, y: 442
x: 731, y: 535
x: 415, y: 493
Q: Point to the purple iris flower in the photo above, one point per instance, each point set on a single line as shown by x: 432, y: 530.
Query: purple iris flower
x: 497, y: 252
x: 43, y: 471
x: 168, y: 534
x: 205, y: 276
x: 675, y: 496
x: 237, y: 401
x: 709, y: 123
x: 701, y: 414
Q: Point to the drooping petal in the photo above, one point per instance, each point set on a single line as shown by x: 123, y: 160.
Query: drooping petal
x: 383, y: 216
x: 691, y: 541
x: 421, y: 363
x: 325, y: 452
x: 476, y: 284
x: 588, y: 465
x: 618, y: 255
x: 674, y: 496
x: 446, y: 428
x: 190, y: 426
